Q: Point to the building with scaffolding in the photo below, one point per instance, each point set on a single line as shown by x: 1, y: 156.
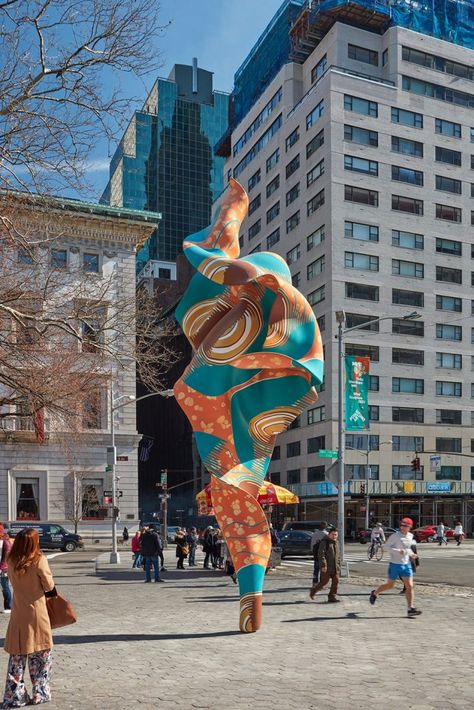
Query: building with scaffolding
x: 357, y: 151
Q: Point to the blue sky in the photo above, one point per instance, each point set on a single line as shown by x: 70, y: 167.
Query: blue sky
x: 219, y: 33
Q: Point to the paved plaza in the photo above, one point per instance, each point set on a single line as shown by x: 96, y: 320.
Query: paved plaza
x: 177, y: 645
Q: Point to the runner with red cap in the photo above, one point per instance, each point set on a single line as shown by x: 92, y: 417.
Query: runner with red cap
x: 399, y: 546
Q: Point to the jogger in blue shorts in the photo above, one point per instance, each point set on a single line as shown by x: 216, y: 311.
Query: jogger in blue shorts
x: 399, y: 546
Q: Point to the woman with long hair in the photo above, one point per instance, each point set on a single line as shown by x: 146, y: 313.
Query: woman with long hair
x: 28, y: 639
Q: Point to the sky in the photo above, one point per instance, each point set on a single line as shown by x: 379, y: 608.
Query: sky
x: 220, y: 33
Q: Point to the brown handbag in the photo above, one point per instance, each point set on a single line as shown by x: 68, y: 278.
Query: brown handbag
x: 60, y: 611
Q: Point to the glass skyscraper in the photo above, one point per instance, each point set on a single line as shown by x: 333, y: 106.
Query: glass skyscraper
x: 165, y: 161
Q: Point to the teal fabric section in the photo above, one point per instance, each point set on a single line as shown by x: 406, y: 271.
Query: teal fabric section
x: 199, y: 289
x: 269, y: 262
x: 251, y: 579
x: 215, y: 380
x: 206, y: 443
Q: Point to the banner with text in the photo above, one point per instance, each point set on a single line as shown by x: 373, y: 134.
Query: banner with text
x: 357, y: 392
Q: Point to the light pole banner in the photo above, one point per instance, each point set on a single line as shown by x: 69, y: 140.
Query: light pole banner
x: 357, y: 392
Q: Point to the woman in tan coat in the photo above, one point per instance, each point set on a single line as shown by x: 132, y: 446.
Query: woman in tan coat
x: 28, y: 638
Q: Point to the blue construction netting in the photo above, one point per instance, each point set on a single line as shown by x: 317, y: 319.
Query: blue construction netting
x: 451, y: 20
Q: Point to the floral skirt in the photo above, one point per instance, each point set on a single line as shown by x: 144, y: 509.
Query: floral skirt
x: 39, y: 666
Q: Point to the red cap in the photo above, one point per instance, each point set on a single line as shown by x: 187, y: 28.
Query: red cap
x: 407, y: 521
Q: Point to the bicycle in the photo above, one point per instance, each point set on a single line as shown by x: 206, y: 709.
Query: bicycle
x: 375, y: 550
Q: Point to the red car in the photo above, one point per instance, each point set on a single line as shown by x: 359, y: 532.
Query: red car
x: 428, y: 533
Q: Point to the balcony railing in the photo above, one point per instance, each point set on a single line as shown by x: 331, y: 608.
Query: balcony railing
x: 385, y: 488
x: 21, y: 424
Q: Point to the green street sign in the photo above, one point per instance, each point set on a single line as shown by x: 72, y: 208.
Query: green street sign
x: 108, y: 468
x: 328, y: 453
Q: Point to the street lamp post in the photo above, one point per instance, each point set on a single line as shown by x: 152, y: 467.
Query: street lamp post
x: 341, y: 332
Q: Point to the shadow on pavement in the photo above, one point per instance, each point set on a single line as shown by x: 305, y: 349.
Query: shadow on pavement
x: 102, y: 638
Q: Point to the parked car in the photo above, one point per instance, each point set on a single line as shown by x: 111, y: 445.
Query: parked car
x: 295, y: 542
x: 51, y: 535
x: 308, y: 525
x: 428, y: 533
x: 364, y: 535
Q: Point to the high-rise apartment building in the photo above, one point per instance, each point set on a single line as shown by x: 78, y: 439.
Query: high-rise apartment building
x: 165, y: 161
x: 357, y: 152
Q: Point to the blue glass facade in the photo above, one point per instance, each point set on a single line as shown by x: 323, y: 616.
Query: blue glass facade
x: 165, y: 161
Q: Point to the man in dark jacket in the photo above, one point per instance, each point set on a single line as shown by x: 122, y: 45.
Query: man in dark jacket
x: 329, y: 565
x: 150, y: 548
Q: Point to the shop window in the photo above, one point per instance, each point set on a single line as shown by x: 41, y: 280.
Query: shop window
x: 27, y: 499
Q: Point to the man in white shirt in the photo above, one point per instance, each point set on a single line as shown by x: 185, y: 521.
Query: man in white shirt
x: 458, y: 533
x: 440, y: 534
x: 399, y: 546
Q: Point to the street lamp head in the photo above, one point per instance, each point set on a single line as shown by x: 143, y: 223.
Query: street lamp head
x: 411, y: 316
x: 340, y: 317
x: 167, y: 393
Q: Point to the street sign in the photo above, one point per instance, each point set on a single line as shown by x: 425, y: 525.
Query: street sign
x: 111, y: 455
x: 164, y: 477
x: 107, y: 494
x: 122, y: 458
x: 328, y: 453
x: 164, y: 496
x: 119, y: 494
x: 435, y: 464
x: 108, y: 469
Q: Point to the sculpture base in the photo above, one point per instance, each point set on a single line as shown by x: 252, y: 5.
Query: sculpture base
x: 251, y: 612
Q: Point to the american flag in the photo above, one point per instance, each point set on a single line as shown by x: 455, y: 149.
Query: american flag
x: 146, y: 445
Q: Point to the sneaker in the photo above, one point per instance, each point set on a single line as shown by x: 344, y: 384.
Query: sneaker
x: 373, y: 597
x: 163, y: 569
x: 413, y: 612
x: 402, y: 592
x: 147, y: 581
x: 7, y: 611
x: 157, y: 581
x: 333, y: 601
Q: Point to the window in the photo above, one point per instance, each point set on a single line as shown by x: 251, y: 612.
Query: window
x: 292, y: 194
x: 437, y: 63
x: 363, y: 232
x: 315, y: 173
x: 448, y: 389
x: 414, y: 177
x: 293, y: 476
x: 92, y: 334
x: 315, y: 444
x: 316, y: 415
x: 448, y: 246
x: 360, y: 195
x: 255, y: 204
x: 370, y: 351
x: 362, y: 136
x: 255, y: 125
x: 408, y: 414
x: 449, y: 473
x: 295, y: 280
x: 59, y: 258
x: 450, y: 361
x: 93, y: 412
x: 404, y: 473
x: 315, y: 268
x: 362, y: 54
x: 358, y: 472
x: 361, y: 165
x: 316, y: 296
x: 256, y: 249
x: 408, y: 385
x: 273, y: 160
x: 450, y: 157
x: 447, y: 128
x: 448, y: 275
x: 292, y: 139
x: 401, y: 356
x: 407, y: 118
x: 315, y: 203
x: 292, y: 222
x: 276, y: 453
x: 273, y: 212
x: 293, y: 255
x: 293, y: 449
x: 407, y: 204
x: 361, y: 261
x: 358, y: 105
x: 254, y: 180
x: 255, y: 229
x: 408, y: 298
x: 408, y: 443
x: 407, y: 240
x: 408, y: 269
x: 407, y: 147
x: 436, y: 91
x: 356, y: 319
x: 273, y: 238
x: 164, y: 273
x: 362, y: 442
x: 292, y: 166
x: 315, y: 114
x: 314, y: 144
x: 374, y: 413
x: 315, y: 238
x: 452, y: 214
x: 315, y: 473
x: 408, y: 327
x: 363, y: 292
x: 447, y: 184
x: 448, y: 303
x: 257, y: 147
x: 445, y: 331
x: 92, y: 495
x: 275, y: 477
x: 384, y: 57
x: 319, y: 69
x: 273, y: 186
x: 322, y: 324
x: 448, y: 416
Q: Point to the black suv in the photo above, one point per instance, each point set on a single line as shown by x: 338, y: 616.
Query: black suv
x: 51, y: 535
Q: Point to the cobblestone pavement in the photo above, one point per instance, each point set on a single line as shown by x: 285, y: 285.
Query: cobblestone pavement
x: 176, y: 645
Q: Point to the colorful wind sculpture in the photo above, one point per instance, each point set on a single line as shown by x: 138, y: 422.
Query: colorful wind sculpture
x: 257, y: 359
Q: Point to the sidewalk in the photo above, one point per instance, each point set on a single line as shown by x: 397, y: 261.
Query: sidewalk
x: 177, y: 645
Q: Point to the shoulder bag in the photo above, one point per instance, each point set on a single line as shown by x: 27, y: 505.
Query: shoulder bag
x: 60, y: 611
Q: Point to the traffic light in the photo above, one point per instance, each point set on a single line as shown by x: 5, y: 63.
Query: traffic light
x: 415, y: 464
x: 362, y: 489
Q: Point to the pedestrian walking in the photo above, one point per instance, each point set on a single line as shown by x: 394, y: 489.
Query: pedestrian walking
x: 28, y: 639
x: 182, y: 549
x: 207, y: 540
x: 137, y: 557
x: 125, y: 534
x: 192, y: 540
x: 5, y: 547
x: 316, y: 538
x: 160, y: 552
x: 458, y: 533
x: 399, y: 546
x: 150, y: 548
x: 329, y: 566
x: 441, y: 535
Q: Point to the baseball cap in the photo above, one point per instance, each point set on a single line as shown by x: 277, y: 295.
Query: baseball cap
x: 407, y: 521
